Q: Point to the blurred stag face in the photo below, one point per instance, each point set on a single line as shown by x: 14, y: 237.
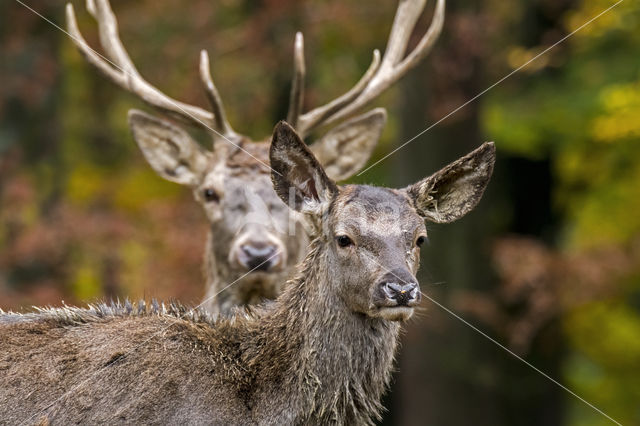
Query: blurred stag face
x: 375, y: 234
x: 255, y: 236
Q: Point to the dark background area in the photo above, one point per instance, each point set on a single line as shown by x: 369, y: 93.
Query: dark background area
x: 548, y: 264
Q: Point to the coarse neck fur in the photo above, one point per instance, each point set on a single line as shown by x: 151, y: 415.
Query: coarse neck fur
x: 339, y: 361
x: 303, y: 359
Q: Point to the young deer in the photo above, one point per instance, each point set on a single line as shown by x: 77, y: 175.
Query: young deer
x: 322, y: 353
x: 253, y: 242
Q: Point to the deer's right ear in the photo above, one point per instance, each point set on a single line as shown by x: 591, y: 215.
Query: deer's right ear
x: 298, y: 178
x: 170, y: 151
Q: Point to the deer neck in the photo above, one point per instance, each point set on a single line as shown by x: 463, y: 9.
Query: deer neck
x: 342, y: 360
x: 211, y: 302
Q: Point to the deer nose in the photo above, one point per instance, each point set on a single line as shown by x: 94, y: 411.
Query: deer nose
x: 404, y: 294
x: 259, y: 256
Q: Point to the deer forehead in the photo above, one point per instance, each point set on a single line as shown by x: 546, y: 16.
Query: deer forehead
x: 249, y: 155
x: 376, y: 213
x: 230, y: 180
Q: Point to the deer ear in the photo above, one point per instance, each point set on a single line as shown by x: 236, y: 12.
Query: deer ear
x: 454, y: 191
x: 298, y: 178
x: 344, y: 150
x: 170, y: 151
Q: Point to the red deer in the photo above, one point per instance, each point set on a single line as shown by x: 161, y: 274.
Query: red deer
x: 254, y: 242
x: 321, y: 353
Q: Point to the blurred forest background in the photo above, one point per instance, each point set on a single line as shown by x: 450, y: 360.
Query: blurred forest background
x: 549, y: 264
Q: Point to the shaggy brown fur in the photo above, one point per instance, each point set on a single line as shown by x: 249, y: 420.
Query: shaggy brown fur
x: 321, y: 353
x: 279, y: 365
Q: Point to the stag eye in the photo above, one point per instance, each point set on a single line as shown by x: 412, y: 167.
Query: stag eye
x: 210, y: 195
x: 344, y: 241
x: 421, y: 239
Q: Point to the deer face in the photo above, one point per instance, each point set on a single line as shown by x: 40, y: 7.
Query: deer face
x: 372, y: 235
x: 254, y: 238
x: 249, y: 222
x: 374, y: 238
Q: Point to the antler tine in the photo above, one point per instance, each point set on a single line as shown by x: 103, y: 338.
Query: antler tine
x: 120, y: 69
x: 214, y: 98
x: 296, y: 98
x: 109, y: 39
x: 394, y: 64
x: 91, y: 56
x: 426, y: 43
x: 405, y: 20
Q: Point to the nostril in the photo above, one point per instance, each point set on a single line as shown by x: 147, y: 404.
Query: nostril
x: 390, y: 290
x: 394, y: 287
x: 411, y: 288
x: 414, y: 292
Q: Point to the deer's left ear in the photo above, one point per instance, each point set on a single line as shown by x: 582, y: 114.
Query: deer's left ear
x: 455, y: 190
x: 298, y: 178
x: 344, y: 151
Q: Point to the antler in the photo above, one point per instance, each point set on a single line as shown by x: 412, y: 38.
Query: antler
x: 118, y: 67
x: 378, y: 77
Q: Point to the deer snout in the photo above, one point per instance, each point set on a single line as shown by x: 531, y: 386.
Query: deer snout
x: 259, y: 256
x: 398, y: 288
x: 402, y: 294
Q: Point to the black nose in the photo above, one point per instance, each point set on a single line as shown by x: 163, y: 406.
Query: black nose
x: 258, y: 256
x: 403, y: 294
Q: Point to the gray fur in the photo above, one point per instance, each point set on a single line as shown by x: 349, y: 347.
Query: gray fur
x: 321, y: 353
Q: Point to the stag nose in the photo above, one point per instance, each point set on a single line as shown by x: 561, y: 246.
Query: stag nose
x: 404, y: 294
x: 259, y: 256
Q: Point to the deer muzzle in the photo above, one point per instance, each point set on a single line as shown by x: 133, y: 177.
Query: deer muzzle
x: 260, y: 256
x: 397, y: 288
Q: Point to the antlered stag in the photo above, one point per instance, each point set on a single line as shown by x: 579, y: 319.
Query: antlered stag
x: 320, y: 354
x: 253, y: 242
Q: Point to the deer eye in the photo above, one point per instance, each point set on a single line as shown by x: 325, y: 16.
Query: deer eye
x: 210, y: 195
x: 421, y: 239
x: 344, y: 241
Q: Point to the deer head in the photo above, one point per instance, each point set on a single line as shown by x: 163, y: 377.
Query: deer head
x: 252, y: 242
x: 371, y: 236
